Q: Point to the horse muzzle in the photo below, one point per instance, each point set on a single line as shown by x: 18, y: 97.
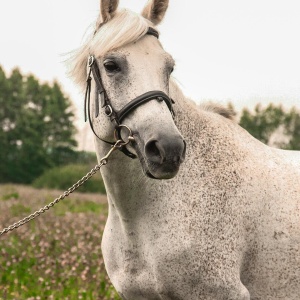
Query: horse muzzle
x: 163, y: 155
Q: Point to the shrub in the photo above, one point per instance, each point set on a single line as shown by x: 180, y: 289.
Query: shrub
x: 64, y: 177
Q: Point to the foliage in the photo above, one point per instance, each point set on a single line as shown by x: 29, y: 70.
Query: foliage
x: 36, y: 127
x: 264, y: 123
x: 64, y: 177
x: 293, y: 129
x: 58, y: 255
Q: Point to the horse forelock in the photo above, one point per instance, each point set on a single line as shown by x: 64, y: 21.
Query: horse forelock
x: 124, y: 28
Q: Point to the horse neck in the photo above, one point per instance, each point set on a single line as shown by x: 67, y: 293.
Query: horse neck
x: 190, y: 119
x: 210, y: 136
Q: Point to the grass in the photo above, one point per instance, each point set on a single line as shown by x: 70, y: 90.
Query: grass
x: 57, y: 255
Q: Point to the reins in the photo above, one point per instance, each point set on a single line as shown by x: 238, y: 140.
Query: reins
x: 102, y: 162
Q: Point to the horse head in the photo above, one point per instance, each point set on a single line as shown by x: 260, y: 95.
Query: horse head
x: 131, y: 72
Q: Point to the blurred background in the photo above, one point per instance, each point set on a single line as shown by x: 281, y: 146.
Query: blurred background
x: 242, y: 54
x: 238, y: 50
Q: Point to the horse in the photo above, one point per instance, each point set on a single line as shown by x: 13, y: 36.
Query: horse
x: 198, y: 208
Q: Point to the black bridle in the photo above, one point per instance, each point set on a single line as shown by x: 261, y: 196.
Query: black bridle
x: 114, y: 115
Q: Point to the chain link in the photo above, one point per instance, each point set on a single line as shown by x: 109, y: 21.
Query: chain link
x: 103, y: 161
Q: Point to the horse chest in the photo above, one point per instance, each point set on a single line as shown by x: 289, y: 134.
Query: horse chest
x: 156, y: 268
x: 142, y: 270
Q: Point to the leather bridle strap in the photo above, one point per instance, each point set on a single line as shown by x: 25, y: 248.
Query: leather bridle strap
x: 87, y: 105
x: 158, y: 95
x: 114, y: 115
x: 118, y: 116
x: 87, y: 115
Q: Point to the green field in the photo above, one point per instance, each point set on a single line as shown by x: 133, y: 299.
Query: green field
x: 57, y: 255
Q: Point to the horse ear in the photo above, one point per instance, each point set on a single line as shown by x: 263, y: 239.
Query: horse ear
x: 155, y: 10
x: 107, y: 10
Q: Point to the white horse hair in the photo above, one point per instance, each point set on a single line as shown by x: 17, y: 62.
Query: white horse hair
x: 226, y: 222
x: 126, y: 27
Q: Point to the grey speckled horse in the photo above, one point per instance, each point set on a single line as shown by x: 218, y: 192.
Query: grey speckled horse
x: 205, y: 211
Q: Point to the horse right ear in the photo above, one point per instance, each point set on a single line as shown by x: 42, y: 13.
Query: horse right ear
x: 155, y: 10
x: 107, y: 10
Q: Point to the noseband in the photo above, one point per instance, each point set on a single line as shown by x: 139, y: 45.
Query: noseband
x: 114, y: 115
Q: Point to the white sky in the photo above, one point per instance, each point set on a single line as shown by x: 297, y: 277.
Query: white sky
x: 242, y: 51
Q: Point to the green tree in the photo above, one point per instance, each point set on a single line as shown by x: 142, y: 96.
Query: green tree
x: 36, y: 127
x: 4, y: 122
x: 263, y: 123
x: 293, y: 129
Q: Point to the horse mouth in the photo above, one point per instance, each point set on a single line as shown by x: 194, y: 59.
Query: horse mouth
x: 157, y: 173
x: 161, y: 160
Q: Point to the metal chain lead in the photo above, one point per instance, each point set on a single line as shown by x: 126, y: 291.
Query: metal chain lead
x: 103, y: 161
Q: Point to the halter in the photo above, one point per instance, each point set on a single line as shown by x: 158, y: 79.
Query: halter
x: 114, y: 115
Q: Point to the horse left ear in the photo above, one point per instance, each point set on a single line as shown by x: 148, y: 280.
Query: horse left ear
x: 155, y: 10
x: 107, y: 10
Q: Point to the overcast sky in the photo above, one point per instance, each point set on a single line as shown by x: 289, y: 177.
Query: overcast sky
x: 234, y: 50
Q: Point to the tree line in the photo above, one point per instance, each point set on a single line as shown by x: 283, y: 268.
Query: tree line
x: 37, y: 129
x: 273, y: 125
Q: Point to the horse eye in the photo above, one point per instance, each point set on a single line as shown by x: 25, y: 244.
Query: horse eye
x: 111, y: 66
x: 171, y: 68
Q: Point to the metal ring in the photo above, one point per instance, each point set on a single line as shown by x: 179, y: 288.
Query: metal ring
x: 110, y: 112
x: 91, y: 60
x: 117, y: 134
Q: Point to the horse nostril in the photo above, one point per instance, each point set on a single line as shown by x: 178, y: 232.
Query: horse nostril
x: 160, y: 151
x: 155, y: 152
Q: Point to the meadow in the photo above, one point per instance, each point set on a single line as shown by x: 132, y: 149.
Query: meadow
x: 58, y: 255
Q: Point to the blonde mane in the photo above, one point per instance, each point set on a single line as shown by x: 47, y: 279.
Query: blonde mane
x: 220, y: 109
x: 124, y: 28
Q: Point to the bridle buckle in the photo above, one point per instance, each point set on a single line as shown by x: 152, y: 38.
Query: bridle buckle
x: 91, y: 60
